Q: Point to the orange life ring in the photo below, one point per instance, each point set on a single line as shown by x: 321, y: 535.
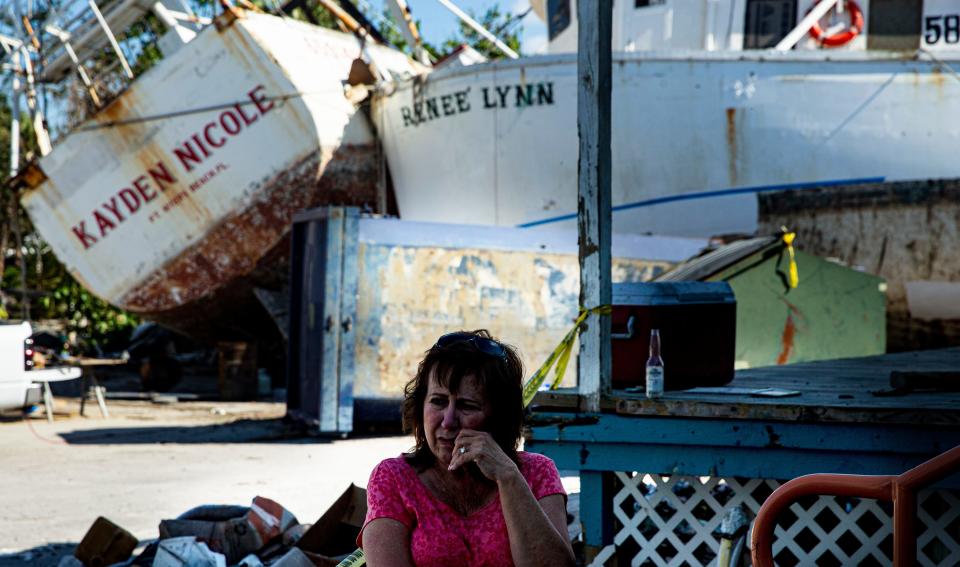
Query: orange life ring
x: 844, y: 37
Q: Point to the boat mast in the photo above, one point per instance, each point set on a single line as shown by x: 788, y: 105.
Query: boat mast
x: 401, y: 12
x: 479, y: 29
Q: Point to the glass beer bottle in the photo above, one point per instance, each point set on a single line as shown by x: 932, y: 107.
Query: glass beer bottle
x: 654, y: 366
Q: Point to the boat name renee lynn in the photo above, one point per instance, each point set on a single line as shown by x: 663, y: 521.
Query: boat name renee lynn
x: 459, y: 102
x: 190, y: 154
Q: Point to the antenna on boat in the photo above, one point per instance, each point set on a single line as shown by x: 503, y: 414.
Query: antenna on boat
x: 14, y: 107
x: 479, y: 29
x: 112, y: 39
x: 64, y: 38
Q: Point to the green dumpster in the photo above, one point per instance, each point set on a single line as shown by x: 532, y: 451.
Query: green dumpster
x: 833, y: 312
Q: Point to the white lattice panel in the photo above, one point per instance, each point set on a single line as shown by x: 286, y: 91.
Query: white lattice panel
x: 669, y: 521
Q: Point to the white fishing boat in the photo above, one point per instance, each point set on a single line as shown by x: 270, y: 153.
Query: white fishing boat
x: 174, y: 200
x: 713, y: 101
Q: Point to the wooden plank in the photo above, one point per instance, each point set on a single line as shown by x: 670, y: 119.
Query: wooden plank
x: 567, y: 399
x: 755, y: 449
x: 830, y: 391
x: 747, y: 462
x: 758, y: 434
x: 593, y: 208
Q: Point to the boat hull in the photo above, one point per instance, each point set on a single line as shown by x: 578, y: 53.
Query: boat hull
x: 182, y: 190
x: 694, y: 136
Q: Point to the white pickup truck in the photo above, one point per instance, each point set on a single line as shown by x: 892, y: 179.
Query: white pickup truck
x: 20, y: 387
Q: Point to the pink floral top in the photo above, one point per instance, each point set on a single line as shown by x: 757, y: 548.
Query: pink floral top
x: 439, y: 535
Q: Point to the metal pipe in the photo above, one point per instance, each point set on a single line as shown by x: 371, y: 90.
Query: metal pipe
x: 409, y: 30
x: 905, y: 502
x: 64, y: 38
x: 91, y: 90
x: 904, y: 516
x: 901, y: 490
x: 795, y: 35
x: 113, y: 40
x: 709, y: 39
x: 15, y: 117
x: 29, y: 29
x: 39, y: 130
x: 934, y: 470
x: 479, y: 29
x: 9, y: 43
x: 877, y: 487
x: 340, y: 14
x: 164, y: 15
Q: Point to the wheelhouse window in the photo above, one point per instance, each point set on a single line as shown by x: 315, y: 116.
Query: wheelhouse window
x: 767, y: 22
x: 558, y: 17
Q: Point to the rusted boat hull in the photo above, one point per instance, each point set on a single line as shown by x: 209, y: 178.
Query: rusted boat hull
x: 905, y: 232
x: 695, y: 135
x: 175, y: 200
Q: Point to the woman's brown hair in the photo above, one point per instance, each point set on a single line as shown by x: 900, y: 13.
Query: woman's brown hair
x: 499, y: 377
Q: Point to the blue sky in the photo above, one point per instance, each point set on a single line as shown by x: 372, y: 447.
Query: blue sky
x: 437, y: 23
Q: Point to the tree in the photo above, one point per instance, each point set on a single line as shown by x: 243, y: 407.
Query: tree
x: 504, y: 25
x: 32, y: 281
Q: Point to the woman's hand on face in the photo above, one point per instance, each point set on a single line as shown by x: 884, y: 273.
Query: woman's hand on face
x: 479, y: 447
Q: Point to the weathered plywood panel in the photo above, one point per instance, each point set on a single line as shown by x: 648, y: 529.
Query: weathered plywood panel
x: 410, y: 295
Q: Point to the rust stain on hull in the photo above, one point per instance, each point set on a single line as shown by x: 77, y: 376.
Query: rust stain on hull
x: 238, y: 243
x: 732, y: 145
x: 786, y: 340
x: 788, y: 337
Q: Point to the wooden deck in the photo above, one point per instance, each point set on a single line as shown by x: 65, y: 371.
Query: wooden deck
x: 852, y: 390
x: 834, y: 421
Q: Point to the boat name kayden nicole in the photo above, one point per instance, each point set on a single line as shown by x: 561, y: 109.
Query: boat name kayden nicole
x: 191, y: 152
x: 458, y: 102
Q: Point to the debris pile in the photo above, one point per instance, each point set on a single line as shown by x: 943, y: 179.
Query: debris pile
x: 262, y: 534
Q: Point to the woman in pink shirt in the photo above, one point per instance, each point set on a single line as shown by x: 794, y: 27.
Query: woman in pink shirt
x: 464, y: 495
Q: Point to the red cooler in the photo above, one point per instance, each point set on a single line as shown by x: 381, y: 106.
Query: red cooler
x: 698, y: 329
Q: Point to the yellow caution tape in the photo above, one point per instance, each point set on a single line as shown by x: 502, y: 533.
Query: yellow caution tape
x: 560, y: 356
x: 794, y: 275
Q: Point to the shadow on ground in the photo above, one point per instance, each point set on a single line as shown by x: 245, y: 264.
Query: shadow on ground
x: 47, y: 555
x: 240, y: 431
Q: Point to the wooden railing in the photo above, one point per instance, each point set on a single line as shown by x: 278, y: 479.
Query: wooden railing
x: 901, y: 490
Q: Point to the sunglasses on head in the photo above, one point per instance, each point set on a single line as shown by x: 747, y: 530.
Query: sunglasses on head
x: 483, y: 344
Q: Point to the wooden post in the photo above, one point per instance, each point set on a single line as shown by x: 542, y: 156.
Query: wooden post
x: 593, y: 207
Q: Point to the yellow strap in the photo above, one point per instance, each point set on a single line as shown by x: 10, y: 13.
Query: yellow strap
x: 794, y: 275
x: 560, y: 356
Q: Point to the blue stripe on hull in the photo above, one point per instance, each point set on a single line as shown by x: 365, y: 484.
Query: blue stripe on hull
x: 717, y: 193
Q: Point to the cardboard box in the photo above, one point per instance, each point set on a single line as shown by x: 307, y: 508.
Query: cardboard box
x: 105, y: 543
x: 335, y: 534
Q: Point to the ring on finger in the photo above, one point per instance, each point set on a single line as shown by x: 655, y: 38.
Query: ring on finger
x: 463, y: 450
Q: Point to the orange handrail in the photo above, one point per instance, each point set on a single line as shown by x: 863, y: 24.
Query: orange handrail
x: 901, y: 490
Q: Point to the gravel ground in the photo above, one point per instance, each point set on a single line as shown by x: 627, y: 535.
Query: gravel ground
x: 149, y: 461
